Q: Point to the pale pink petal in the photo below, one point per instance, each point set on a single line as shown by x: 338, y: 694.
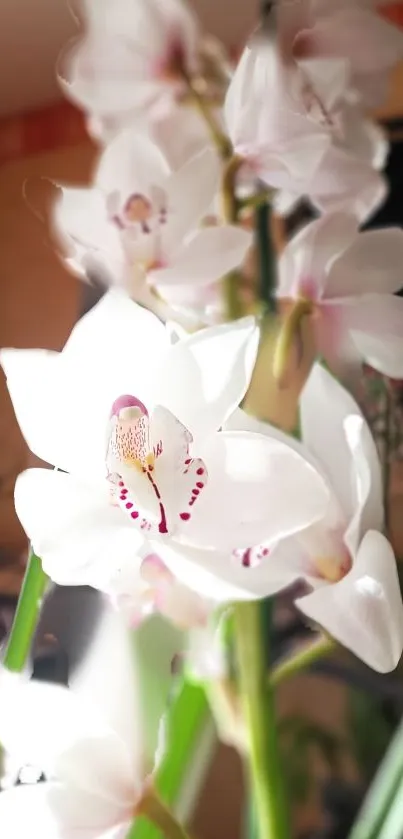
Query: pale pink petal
x: 383, y: 354
x: 191, y: 192
x: 131, y: 163
x: 80, y: 215
x: 306, y: 259
x: 364, y: 611
x: 25, y: 806
x: 372, y: 264
x: 81, y: 538
x: 325, y: 406
x: 204, y: 377
x: 219, y: 576
x: 182, y: 133
x: 367, y: 481
x: 343, y: 182
x: 207, y: 256
x: 257, y: 490
x: 63, y: 400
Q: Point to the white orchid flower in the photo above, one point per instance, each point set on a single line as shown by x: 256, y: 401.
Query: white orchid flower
x: 135, y: 421
x: 137, y: 227
x: 133, y: 58
x: 351, y: 279
x: 290, y: 138
x: 89, y: 742
x: 345, y: 559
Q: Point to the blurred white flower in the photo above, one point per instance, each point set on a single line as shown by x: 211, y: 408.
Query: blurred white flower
x: 88, y: 740
x: 133, y: 58
x: 295, y: 133
x: 351, y: 279
x: 134, y: 419
x: 137, y: 227
x: 345, y: 558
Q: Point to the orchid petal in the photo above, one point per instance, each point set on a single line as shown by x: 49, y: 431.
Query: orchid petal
x: 131, y: 163
x: 364, y: 610
x: 309, y: 253
x: 24, y: 806
x: 220, y: 577
x: 204, y: 377
x: 372, y: 264
x: 207, y: 256
x: 191, y: 192
x: 258, y: 490
x: 335, y: 431
x: 81, y: 539
x: 345, y: 183
x: 63, y: 400
x: 384, y: 354
x: 80, y: 217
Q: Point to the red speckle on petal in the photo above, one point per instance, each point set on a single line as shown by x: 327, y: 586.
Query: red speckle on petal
x: 184, y: 516
x: 195, y: 491
x: 200, y: 485
x: 187, y: 461
x: 200, y: 471
x: 121, y: 484
x: 129, y: 505
x: 134, y: 514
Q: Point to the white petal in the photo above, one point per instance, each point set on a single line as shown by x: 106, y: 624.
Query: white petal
x: 131, y: 163
x: 308, y: 254
x: 325, y: 407
x: 81, y: 538
x: 191, y: 192
x: 364, y: 611
x: 25, y: 806
x: 206, y: 257
x: 258, y: 490
x: 367, y: 481
x: 81, y: 216
x: 371, y: 264
x: 384, y: 354
x: 63, y: 400
x: 220, y: 577
x: 205, y: 376
x: 343, y: 182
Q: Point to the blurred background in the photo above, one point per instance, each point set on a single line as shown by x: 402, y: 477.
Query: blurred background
x: 42, y: 138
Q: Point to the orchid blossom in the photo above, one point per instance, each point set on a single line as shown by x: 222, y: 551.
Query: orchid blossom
x: 294, y: 138
x: 135, y: 421
x: 137, y: 227
x: 134, y: 57
x: 88, y: 741
x: 351, y: 279
x: 352, y: 30
x: 345, y: 559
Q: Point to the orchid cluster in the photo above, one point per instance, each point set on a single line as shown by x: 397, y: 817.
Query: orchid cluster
x: 205, y: 451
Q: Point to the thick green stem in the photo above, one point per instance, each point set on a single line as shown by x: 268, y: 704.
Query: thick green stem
x: 154, y: 809
x: 266, y: 256
x: 26, y: 615
x: 258, y: 704
x: 382, y: 792
x: 301, y: 660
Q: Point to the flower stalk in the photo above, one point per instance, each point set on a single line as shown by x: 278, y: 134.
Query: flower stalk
x: 301, y: 660
x: 220, y: 140
x: 155, y: 810
x: 289, y: 334
x: 26, y: 615
x: 257, y: 699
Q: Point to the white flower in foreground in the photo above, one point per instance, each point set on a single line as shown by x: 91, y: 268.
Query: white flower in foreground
x: 133, y: 59
x: 88, y: 741
x: 137, y: 227
x: 290, y: 138
x: 350, y: 277
x: 345, y: 558
x: 135, y: 421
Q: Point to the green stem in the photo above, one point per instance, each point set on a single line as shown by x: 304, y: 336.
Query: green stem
x: 154, y: 809
x: 26, y: 615
x: 258, y: 704
x: 303, y: 659
x: 266, y: 256
x: 382, y: 792
x: 219, y: 139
